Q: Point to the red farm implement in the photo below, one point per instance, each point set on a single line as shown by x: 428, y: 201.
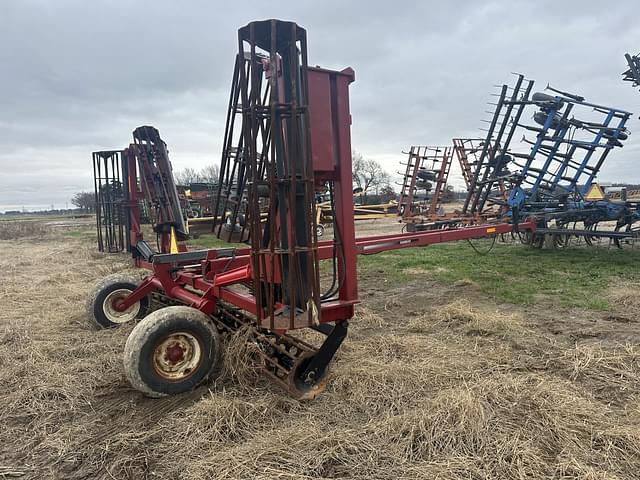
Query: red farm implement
x: 425, y: 186
x: 287, y: 138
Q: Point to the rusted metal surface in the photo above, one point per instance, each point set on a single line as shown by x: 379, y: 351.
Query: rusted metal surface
x: 177, y: 356
x: 279, y: 355
x: 467, y: 151
x: 425, y: 180
x: 116, y: 315
x: 216, y: 281
x: 110, y: 186
x: 277, y: 152
x: 272, y: 165
x: 156, y: 181
x: 425, y: 185
x: 230, y: 202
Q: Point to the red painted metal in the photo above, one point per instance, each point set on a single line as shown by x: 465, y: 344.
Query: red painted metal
x: 384, y: 243
x: 216, y: 282
x: 331, y: 135
x: 294, y: 141
x: 222, y: 274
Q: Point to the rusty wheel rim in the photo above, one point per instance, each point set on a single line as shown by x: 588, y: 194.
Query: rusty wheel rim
x: 116, y: 316
x: 177, y: 356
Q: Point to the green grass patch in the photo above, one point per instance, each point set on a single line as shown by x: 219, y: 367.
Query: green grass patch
x: 210, y: 241
x: 513, y: 273
x: 80, y: 232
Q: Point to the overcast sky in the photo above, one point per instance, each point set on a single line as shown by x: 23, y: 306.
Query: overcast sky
x: 80, y: 75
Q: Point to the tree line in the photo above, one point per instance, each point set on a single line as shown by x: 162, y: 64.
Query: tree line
x: 368, y: 176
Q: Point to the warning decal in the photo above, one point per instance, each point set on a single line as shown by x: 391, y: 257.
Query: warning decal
x: 594, y: 193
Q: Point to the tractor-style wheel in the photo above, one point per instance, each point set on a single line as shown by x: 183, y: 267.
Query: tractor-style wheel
x: 171, y: 351
x: 534, y: 240
x: 106, y: 293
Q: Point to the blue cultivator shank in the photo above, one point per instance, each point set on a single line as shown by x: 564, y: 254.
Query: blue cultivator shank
x: 633, y: 73
x: 569, y: 140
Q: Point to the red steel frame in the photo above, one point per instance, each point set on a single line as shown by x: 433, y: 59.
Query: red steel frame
x: 214, y: 275
x: 201, y: 279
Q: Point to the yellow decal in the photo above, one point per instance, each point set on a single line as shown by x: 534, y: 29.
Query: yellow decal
x: 594, y: 193
x: 174, y: 242
x: 491, y: 230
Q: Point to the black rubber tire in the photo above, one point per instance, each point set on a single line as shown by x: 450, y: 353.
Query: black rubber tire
x: 145, y: 337
x: 97, y: 296
x: 319, y: 230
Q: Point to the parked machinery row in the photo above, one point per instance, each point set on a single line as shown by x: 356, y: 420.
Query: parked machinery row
x: 425, y: 187
x: 540, y: 158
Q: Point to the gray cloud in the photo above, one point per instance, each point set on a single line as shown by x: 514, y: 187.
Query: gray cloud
x: 79, y: 76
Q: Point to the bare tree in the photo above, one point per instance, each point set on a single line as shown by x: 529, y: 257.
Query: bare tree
x: 387, y: 192
x: 449, y: 194
x: 85, y: 201
x: 186, y: 176
x: 210, y: 173
x: 368, y: 175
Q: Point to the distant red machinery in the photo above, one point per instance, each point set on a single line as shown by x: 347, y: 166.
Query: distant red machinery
x: 427, y: 170
x: 287, y: 137
x: 130, y: 181
x: 425, y: 186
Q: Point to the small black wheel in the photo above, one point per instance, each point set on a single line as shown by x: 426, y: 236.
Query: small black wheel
x: 319, y: 230
x: 533, y: 240
x: 306, y: 388
x: 171, y: 351
x: 106, y: 293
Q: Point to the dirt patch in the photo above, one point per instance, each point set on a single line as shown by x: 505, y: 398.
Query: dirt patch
x: 427, y: 385
x: 423, y: 271
x: 625, y: 296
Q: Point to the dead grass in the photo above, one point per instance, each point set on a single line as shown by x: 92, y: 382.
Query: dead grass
x: 461, y: 316
x: 423, y: 271
x: 611, y: 373
x: 503, y: 426
x: 625, y: 296
x: 13, y: 230
x: 454, y: 391
x: 239, y: 349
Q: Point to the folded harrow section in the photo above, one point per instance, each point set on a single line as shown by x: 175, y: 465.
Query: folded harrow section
x: 111, y: 193
x: 487, y: 182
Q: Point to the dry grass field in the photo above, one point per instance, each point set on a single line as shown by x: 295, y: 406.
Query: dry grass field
x: 510, y: 366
